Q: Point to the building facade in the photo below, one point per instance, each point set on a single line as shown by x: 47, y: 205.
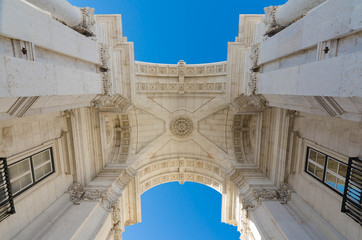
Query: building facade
x: 86, y: 129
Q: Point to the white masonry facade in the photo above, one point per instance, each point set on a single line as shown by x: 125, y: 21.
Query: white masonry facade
x: 276, y: 128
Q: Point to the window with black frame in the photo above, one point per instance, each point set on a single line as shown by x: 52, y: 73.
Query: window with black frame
x: 27, y: 172
x: 328, y: 170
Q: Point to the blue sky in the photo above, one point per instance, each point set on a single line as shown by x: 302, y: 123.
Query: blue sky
x: 166, y: 31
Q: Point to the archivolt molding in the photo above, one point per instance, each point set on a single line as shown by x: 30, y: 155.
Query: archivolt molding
x: 111, y: 197
x: 182, y: 170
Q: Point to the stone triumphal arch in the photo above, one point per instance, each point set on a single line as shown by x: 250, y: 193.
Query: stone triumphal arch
x: 85, y: 129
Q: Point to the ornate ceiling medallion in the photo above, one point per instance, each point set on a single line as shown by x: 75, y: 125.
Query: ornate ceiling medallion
x: 181, y: 126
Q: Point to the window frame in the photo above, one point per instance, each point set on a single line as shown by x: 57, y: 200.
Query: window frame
x: 327, y: 155
x: 32, y: 169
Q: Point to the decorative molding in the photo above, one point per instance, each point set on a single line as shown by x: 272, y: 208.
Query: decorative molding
x: 330, y: 105
x: 23, y: 49
x: 112, y: 195
x: 176, y: 87
x: 181, y: 170
x: 21, y: 106
x: 122, y: 104
x: 181, y: 126
x: 87, y: 26
x: 265, y: 194
x: 174, y: 70
x: 249, y: 104
x: 244, y: 223
x: 104, y: 52
x: 269, y: 20
x: 116, y: 222
x: 93, y: 195
x: 76, y: 193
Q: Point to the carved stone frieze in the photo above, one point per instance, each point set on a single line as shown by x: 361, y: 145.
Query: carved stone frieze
x: 107, y: 84
x: 265, y: 194
x: 190, y: 87
x: 181, y: 126
x: 76, y: 193
x: 87, y: 26
x: 188, y: 70
x: 93, y: 195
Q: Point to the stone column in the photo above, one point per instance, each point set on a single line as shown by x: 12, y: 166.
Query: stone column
x: 80, y: 19
x: 278, y: 17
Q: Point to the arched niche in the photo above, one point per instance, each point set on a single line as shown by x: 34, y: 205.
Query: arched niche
x: 246, y: 137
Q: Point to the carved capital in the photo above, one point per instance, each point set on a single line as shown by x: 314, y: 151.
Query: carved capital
x: 284, y: 192
x: 76, y: 193
x: 87, y: 26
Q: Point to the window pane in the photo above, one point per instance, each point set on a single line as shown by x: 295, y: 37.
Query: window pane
x: 340, y: 185
x: 13, y: 171
x: 24, y: 166
x: 342, y: 170
x: 38, y: 159
x: 331, y: 180
x: 312, y: 155
x: 25, y: 180
x: 47, y: 168
x: 332, y: 165
x: 15, y: 186
x: 321, y: 159
x: 39, y: 173
x: 319, y: 173
x: 311, y: 167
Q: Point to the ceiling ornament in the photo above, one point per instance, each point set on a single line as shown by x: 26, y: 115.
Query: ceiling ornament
x: 181, y: 126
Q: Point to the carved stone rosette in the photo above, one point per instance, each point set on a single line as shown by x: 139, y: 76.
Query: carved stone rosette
x: 87, y: 26
x: 181, y: 126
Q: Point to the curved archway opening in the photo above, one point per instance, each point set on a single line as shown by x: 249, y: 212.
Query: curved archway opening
x: 175, y: 211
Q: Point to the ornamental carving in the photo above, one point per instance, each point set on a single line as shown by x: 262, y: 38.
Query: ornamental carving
x: 181, y: 126
x: 93, y: 195
x: 284, y: 192
x: 87, y: 26
x: 76, y: 193
x: 271, y: 25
